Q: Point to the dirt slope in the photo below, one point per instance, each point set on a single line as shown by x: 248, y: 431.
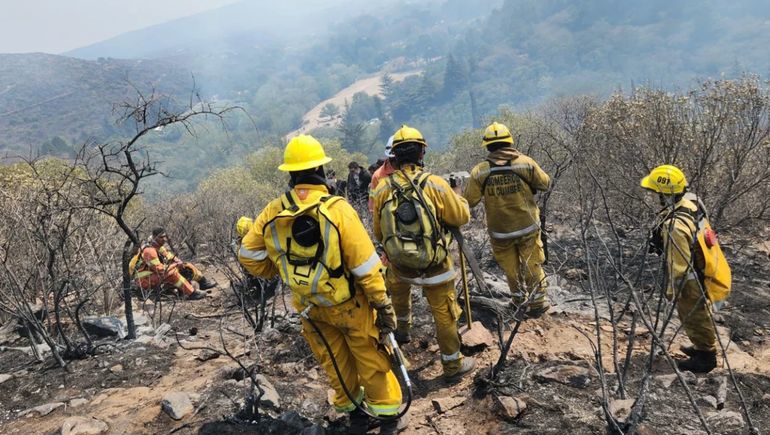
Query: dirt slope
x: 127, y: 397
x: 369, y: 85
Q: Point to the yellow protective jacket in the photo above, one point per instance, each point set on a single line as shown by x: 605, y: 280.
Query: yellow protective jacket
x: 359, y: 259
x: 508, y: 181
x: 677, y: 232
x: 451, y: 210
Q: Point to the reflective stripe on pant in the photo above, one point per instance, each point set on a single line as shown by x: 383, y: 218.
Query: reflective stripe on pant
x: 695, y: 314
x: 172, y: 277
x: 349, y: 329
x: 443, y: 304
x: 522, y: 261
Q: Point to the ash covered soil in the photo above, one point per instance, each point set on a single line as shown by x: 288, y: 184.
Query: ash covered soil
x: 549, y: 384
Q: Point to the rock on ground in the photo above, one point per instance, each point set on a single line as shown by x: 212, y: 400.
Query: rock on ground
x: 4, y: 377
x: 177, y: 404
x: 106, y: 326
x: 725, y: 420
x: 666, y: 380
x: 207, y: 354
x: 42, y: 409
x: 83, y: 426
x: 709, y: 401
x: 510, y: 408
x: 74, y: 403
x: 621, y: 409
x: 444, y: 404
x: 476, y: 339
x: 574, y: 376
x: 270, y: 396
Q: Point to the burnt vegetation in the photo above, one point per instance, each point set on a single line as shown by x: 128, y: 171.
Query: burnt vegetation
x: 69, y: 228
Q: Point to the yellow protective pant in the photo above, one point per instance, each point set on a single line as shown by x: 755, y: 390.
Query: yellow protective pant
x: 193, y: 272
x: 522, y: 261
x: 349, y: 329
x: 695, y: 314
x: 443, y: 304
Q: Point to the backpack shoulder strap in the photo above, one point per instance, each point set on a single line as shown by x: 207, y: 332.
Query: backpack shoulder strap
x: 422, y: 179
x: 287, y: 200
x: 505, y: 168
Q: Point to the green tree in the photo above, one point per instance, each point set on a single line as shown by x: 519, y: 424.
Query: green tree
x: 352, y: 131
x: 387, y: 87
x: 455, y: 78
x: 330, y: 110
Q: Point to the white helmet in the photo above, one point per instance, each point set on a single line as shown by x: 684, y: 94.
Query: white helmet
x: 389, y: 148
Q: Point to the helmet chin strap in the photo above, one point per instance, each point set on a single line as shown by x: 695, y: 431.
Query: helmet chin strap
x: 670, y: 200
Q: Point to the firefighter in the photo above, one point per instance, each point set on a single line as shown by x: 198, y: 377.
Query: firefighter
x: 674, y: 237
x: 382, y: 172
x: 319, y: 247
x: 409, y: 221
x: 507, y: 181
x: 155, y: 263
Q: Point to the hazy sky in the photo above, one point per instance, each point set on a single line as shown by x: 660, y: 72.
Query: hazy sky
x: 55, y: 26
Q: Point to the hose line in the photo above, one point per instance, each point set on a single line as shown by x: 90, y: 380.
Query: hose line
x: 399, y: 358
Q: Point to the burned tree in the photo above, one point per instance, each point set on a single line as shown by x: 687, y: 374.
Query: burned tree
x: 116, y: 171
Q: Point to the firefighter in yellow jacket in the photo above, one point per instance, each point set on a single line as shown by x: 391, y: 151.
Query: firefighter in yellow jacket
x: 441, y: 206
x: 507, y: 181
x: 319, y: 247
x: 674, y: 237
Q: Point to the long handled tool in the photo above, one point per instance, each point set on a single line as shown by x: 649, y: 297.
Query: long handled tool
x: 468, y: 315
x: 469, y: 257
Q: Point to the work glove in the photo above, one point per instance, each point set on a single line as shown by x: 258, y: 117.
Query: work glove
x: 381, y: 253
x: 386, y: 319
x: 655, y: 242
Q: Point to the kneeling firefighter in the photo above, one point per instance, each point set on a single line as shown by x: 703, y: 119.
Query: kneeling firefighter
x: 319, y: 247
x: 697, y: 273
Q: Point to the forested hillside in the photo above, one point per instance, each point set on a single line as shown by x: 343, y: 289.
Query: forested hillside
x: 474, y: 56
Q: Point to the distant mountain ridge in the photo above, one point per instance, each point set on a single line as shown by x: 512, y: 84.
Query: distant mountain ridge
x: 260, y: 21
x: 44, y: 96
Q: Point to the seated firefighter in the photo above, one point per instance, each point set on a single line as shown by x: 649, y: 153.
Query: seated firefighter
x: 156, y: 264
x: 319, y: 247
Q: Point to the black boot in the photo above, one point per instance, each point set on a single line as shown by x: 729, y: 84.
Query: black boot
x: 205, y: 284
x: 359, y: 422
x: 196, y: 295
x: 701, y: 361
x: 402, y: 337
x: 393, y: 427
x: 688, y: 350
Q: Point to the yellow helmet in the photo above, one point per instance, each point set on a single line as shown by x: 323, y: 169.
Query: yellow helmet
x: 496, y: 132
x: 303, y: 152
x: 407, y: 134
x: 665, y: 179
x: 243, y: 225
